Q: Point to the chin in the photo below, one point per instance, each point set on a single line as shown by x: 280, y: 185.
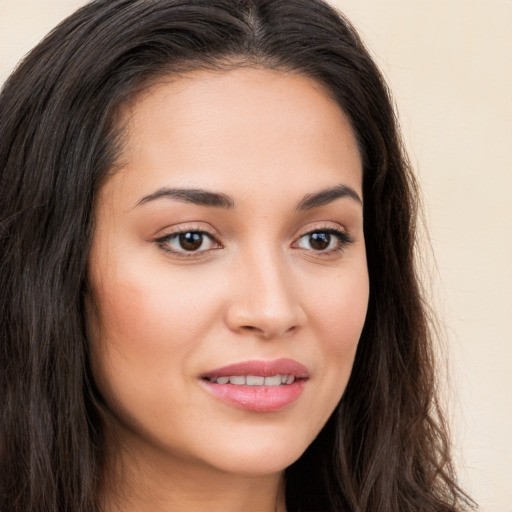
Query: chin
x: 257, y: 465
x: 258, y: 457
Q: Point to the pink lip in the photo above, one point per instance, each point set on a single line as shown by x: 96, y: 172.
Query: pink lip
x: 258, y: 398
x: 261, y: 368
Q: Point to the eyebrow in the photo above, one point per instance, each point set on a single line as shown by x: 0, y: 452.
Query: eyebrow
x: 191, y: 195
x: 327, y: 196
x: 218, y: 200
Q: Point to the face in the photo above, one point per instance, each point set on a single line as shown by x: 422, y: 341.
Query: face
x: 228, y: 272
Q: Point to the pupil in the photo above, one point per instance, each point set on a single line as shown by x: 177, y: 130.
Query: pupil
x: 191, y: 241
x: 320, y: 241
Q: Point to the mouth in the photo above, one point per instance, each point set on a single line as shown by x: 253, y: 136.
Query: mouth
x: 258, y: 386
x: 254, y: 380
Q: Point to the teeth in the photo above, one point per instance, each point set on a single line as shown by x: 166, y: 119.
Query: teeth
x: 273, y: 381
x: 252, y: 380
x: 255, y: 380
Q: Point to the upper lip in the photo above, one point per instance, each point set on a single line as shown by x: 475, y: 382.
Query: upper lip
x: 260, y: 368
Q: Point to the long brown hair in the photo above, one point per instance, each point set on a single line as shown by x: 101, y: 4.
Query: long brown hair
x: 385, y: 447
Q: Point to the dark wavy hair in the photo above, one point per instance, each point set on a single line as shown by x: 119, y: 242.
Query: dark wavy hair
x: 385, y: 447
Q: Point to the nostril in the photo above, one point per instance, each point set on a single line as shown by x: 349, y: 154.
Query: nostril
x: 261, y: 319
x: 268, y: 333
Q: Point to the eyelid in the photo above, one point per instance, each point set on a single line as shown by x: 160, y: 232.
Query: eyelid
x: 186, y: 228
x: 323, y: 226
x: 169, y: 233
x: 344, y: 237
x: 333, y: 228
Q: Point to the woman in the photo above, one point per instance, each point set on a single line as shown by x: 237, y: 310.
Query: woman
x: 209, y: 293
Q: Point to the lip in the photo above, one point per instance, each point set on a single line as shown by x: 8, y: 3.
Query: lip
x: 260, y: 368
x: 258, y: 398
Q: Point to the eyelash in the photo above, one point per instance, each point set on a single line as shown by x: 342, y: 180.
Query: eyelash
x: 163, y: 242
x: 343, y: 240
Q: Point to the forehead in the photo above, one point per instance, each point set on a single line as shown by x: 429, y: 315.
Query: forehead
x: 257, y: 125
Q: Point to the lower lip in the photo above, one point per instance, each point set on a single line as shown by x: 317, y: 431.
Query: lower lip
x: 257, y: 398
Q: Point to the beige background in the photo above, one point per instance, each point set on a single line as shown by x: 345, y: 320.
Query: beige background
x: 449, y: 65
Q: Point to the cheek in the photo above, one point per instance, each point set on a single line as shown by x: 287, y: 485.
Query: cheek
x: 338, y: 311
x: 338, y: 306
x: 152, y: 310
x: 144, y: 328
x: 342, y: 319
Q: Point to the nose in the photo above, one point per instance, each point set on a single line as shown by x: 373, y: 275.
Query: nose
x: 266, y: 301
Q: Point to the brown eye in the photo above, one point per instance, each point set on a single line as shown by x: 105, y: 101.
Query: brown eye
x: 188, y: 242
x: 324, y: 241
x: 319, y: 241
x: 191, y: 241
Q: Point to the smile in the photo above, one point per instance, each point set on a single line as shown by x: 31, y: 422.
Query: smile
x: 255, y: 380
x: 258, y: 386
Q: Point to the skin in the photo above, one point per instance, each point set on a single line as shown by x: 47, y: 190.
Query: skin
x: 258, y: 289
